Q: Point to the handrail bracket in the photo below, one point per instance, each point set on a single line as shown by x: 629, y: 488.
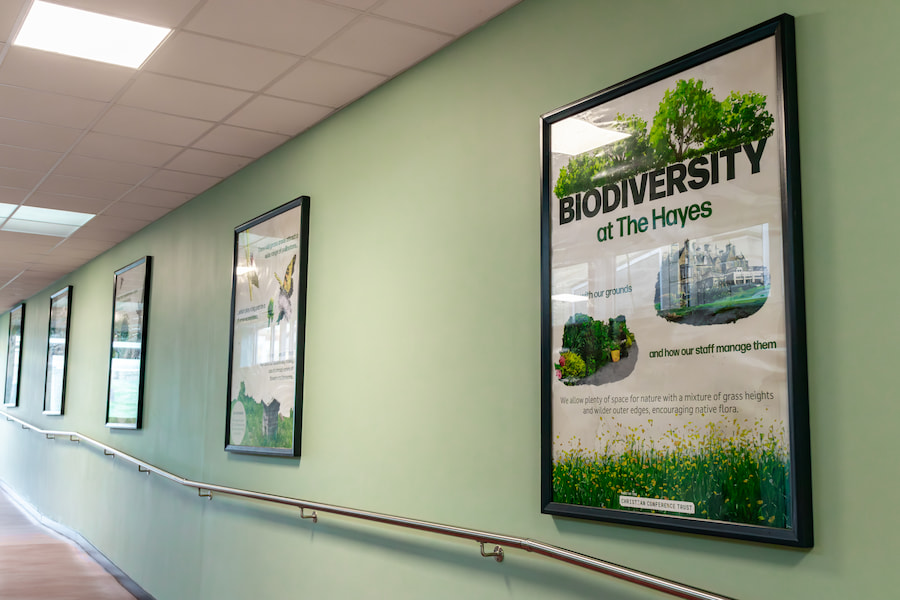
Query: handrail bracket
x: 497, y: 553
x: 312, y: 515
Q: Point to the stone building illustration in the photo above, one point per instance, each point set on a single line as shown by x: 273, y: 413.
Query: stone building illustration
x: 694, y: 273
x: 270, y: 418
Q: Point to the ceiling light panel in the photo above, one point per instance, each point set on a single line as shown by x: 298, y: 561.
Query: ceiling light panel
x: 52, y: 215
x: 38, y: 228
x: 93, y: 36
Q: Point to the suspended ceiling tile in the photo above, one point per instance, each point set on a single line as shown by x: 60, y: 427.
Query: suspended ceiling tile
x: 73, y: 203
x: 26, y: 243
x: 85, y: 247
x: 10, y: 296
x: 154, y: 197
x: 151, y: 126
x: 17, y: 178
x: 12, y: 195
x: 455, y: 17
x: 99, y: 168
x: 357, y: 4
x: 37, y: 135
x: 183, y: 98
x: 90, y: 188
x: 215, y: 61
x: 8, y: 299
x: 10, y: 266
x: 25, y: 158
x: 7, y: 272
x: 111, y: 147
x: 208, y: 163
x: 136, y: 211
x: 53, y: 270
x: 35, y: 279
x: 9, y: 12
x: 44, y: 107
x: 64, y: 261
x: 25, y: 256
x: 121, y: 224
x: 240, y: 141
x: 100, y: 234
x: 325, y: 84
x: 381, y: 46
x: 50, y: 72
x: 294, y: 26
x: 278, y: 115
x: 175, y: 181
x: 163, y: 13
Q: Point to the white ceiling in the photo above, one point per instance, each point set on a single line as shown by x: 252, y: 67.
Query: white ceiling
x: 234, y: 80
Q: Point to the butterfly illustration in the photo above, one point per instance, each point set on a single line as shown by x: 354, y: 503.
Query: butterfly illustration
x: 286, y: 290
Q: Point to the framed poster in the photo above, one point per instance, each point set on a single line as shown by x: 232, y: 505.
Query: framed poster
x: 14, y: 355
x: 268, y: 318
x: 674, y: 389
x: 128, y: 345
x: 57, y: 352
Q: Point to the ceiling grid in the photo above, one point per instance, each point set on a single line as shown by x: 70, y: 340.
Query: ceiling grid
x: 233, y: 81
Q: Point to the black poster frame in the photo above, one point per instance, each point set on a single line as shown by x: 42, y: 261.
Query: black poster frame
x: 120, y: 305
x: 13, y: 378
x: 654, y: 513
x: 287, y: 281
x: 49, y: 386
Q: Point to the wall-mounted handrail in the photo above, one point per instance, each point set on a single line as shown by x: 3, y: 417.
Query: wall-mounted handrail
x: 482, y: 537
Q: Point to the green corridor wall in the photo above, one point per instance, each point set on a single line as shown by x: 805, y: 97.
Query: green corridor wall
x: 422, y: 350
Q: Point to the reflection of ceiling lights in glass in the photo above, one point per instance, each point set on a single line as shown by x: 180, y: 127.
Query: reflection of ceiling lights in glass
x: 84, y: 34
x: 42, y: 221
x: 568, y: 298
x: 576, y: 136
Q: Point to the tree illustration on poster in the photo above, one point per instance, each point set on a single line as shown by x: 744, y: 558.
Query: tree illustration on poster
x: 268, y: 308
x: 673, y: 337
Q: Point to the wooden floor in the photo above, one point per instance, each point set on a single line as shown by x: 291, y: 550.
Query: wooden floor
x: 36, y: 562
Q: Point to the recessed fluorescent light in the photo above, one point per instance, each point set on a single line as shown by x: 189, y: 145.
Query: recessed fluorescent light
x: 84, y: 34
x: 52, y: 215
x: 576, y: 136
x: 45, y: 221
x: 6, y: 210
x: 36, y: 227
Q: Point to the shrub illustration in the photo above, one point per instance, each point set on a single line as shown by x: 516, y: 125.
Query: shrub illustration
x: 591, y: 344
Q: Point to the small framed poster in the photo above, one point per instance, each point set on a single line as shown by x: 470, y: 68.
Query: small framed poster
x: 268, y: 318
x: 57, y: 352
x: 674, y: 390
x: 14, y: 355
x: 128, y: 345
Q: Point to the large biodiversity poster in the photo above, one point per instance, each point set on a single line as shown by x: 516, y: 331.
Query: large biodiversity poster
x: 673, y: 342
x: 267, y: 327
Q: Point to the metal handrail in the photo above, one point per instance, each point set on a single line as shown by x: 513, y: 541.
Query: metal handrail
x: 667, y: 586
